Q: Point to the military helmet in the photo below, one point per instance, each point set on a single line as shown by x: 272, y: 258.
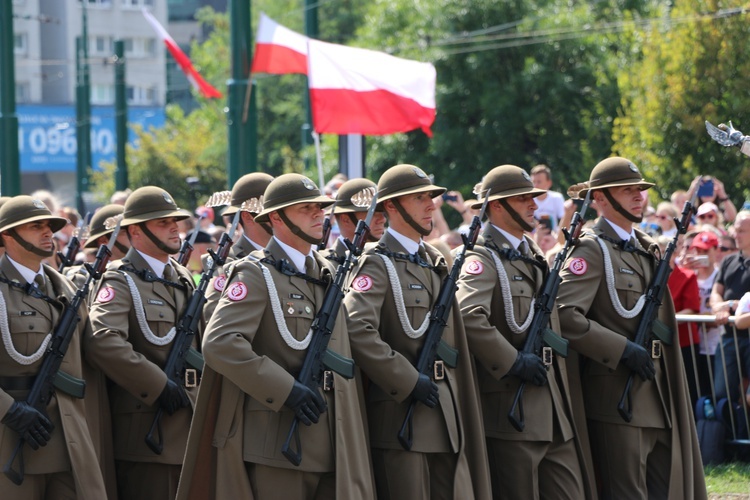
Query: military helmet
x: 23, y: 209
x: 149, y: 203
x: 3, y: 199
x: 248, y: 186
x: 405, y: 179
x: 348, y: 189
x: 615, y: 172
x: 506, y: 181
x: 287, y: 190
x: 98, y: 227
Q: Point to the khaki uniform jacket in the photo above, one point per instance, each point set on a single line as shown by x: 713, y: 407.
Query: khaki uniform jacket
x: 242, y: 418
x: 213, y: 292
x: 29, y: 321
x: 387, y: 356
x: 598, y: 332
x: 120, y: 349
x: 496, y: 347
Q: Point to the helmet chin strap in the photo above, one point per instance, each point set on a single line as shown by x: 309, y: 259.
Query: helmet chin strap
x: 122, y: 248
x: 296, y: 230
x: 408, y: 219
x: 156, y: 241
x: 28, y: 246
x: 619, y: 208
x: 516, y: 216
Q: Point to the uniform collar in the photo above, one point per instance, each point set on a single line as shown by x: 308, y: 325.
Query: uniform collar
x: 621, y: 233
x: 254, y: 244
x: 409, y: 244
x: 156, y: 265
x: 515, y: 242
x: 25, y: 272
x: 297, y: 257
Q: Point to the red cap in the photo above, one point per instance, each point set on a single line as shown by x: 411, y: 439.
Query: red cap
x: 705, y: 241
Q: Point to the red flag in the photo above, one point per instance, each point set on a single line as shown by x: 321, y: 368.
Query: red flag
x: 183, y: 61
x: 360, y: 91
x: 278, y: 50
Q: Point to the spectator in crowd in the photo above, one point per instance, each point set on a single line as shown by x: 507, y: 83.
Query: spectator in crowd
x: 120, y: 197
x: 206, y: 215
x: 727, y: 247
x: 708, y: 213
x: 550, y: 203
x: 732, y: 282
x: 719, y: 197
x: 742, y: 320
x: 49, y: 199
x: 702, y: 257
x: 666, y: 213
x: 683, y: 285
x: 203, y: 241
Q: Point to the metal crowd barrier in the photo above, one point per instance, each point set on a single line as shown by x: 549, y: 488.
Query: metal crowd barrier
x: 736, y: 414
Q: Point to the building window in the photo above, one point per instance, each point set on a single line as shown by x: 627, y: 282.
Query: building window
x: 98, y: 3
x: 102, y: 94
x: 23, y: 92
x: 140, y: 96
x: 20, y: 44
x: 102, y: 45
x: 140, y: 47
x: 137, y: 4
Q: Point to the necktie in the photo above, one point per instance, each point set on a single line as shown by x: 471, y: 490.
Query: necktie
x: 169, y: 275
x: 39, y: 281
x: 311, y: 269
x: 426, y: 259
x: 523, y: 248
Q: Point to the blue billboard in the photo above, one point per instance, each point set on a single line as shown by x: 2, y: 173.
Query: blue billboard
x: 47, y: 135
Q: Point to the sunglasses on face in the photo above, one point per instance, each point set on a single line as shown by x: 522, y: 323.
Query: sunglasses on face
x: 727, y: 249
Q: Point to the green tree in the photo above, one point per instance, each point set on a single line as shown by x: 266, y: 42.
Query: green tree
x: 693, y: 69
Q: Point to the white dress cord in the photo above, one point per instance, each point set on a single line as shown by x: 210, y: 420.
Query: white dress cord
x: 398, y: 298
x: 278, y: 314
x: 610, y: 278
x: 510, y: 317
x: 141, y: 316
x: 8, y: 341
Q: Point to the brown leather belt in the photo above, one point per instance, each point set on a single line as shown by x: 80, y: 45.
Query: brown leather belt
x: 16, y: 383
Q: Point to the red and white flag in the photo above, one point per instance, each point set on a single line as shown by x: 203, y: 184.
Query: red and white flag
x: 183, y: 61
x: 278, y: 50
x: 360, y: 91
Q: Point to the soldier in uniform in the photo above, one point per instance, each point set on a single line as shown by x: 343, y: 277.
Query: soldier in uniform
x: 497, y: 286
x: 247, y: 190
x: 139, y: 301
x: 348, y: 216
x: 98, y: 236
x: 393, y: 291
x: 656, y: 454
x: 256, y: 341
x: 62, y: 461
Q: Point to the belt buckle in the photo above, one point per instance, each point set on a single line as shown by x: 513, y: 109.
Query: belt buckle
x: 547, y: 355
x: 438, y: 370
x: 191, y: 378
x: 327, y: 380
x: 656, y: 349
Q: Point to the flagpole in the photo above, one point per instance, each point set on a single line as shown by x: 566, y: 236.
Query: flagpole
x: 319, y: 157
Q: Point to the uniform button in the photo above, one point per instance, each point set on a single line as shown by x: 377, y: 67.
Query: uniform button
x: 495, y: 368
x: 269, y: 400
x: 31, y: 327
x: 161, y: 315
x: 630, y: 285
x: 605, y: 360
x: 418, y: 301
x: 394, y: 392
x: 144, y: 395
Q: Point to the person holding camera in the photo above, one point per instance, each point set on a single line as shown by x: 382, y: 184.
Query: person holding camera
x: 711, y: 190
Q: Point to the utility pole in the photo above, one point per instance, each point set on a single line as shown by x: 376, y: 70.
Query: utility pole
x: 311, y: 30
x: 121, y: 117
x: 243, y: 149
x: 10, y: 177
x: 83, y: 113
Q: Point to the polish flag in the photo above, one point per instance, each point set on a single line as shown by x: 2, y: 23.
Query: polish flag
x: 182, y: 59
x: 360, y: 91
x: 278, y: 50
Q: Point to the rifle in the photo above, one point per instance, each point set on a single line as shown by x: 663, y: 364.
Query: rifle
x: 186, y: 249
x: 50, y: 377
x: 326, y: 229
x: 81, y: 232
x: 434, y: 347
x: 184, y: 364
x: 650, y: 326
x: 539, y: 333
x: 319, y: 357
